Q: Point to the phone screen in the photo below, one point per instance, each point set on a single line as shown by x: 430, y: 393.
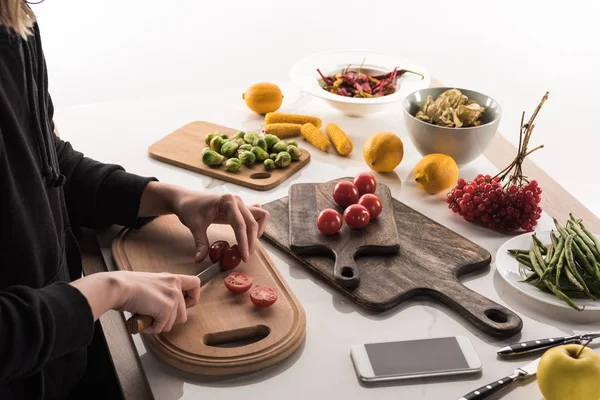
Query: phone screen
x: 416, y: 356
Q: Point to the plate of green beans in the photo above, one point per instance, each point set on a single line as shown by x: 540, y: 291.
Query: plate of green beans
x: 559, y: 267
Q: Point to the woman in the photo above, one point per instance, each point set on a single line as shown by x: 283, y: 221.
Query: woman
x: 48, y: 191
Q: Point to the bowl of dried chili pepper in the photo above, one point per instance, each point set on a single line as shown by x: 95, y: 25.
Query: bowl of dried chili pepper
x: 359, y: 83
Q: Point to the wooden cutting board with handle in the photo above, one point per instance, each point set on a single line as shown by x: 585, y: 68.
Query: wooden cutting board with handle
x: 430, y: 261
x: 379, y: 237
x: 183, y: 148
x: 225, y: 333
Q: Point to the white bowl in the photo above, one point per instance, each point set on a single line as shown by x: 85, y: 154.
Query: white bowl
x: 304, y: 75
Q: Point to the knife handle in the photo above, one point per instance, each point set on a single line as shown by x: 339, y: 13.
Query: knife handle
x: 137, y: 323
x: 485, y: 391
x: 532, y: 345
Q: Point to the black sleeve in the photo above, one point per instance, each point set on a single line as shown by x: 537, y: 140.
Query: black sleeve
x: 39, y: 325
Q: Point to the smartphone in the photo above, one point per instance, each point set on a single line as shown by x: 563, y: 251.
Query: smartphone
x: 415, y: 359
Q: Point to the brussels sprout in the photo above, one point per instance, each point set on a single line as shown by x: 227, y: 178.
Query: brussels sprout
x: 225, y: 136
x: 250, y: 137
x: 240, y: 135
x: 271, y: 140
x: 245, y: 147
x: 260, y: 142
x: 283, y: 159
x: 210, y: 137
x: 216, y: 143
x: 279, y: 147
x: 260, y: 154
x: 292, y: 143
x: 294, y: 152
x: 233, y: 165
x: 229, y: 149
x: 247, y: 158
x: 212, y: 158
x: 269, y: 164
x: 204, y: 150
x: 273, y: 156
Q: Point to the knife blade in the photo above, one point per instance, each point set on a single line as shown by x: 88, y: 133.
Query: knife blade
x: 137, y: 323
x: 544, y: 344
x: 494, y: 387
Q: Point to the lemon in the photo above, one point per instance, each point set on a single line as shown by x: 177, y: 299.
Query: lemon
x: 383, y: 151
x: 263, y: 97
x: 436, y: 172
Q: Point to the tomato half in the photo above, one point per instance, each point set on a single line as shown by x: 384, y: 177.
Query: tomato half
x: 372, y: 203
x: 238, y: 282
x: 231, y: 258
x: 345, y: 193
x: 365, y: 183
x: 263, y: 296
x: 329, y: 221
x: 216, y: 250
x: 356, y: 216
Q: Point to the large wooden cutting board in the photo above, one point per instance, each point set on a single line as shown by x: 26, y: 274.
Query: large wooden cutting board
x: 430, y: 261
x: 206, y: 343
x: 184, y: 146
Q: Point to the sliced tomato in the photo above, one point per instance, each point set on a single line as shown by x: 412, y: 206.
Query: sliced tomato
x: 216, y: 250
x: 238, y: 282
x: 263, y: 296
x: 231, y: 258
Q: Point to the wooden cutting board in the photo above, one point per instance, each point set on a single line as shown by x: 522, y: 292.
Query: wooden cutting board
x: 380, y: 237
x: 430, y: 261
x: 183, y: 148
x: 214, y: 339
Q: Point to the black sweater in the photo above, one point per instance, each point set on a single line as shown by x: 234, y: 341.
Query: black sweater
x: 47, y: 192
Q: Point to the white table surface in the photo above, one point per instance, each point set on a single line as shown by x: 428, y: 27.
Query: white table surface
x: 321, y: 368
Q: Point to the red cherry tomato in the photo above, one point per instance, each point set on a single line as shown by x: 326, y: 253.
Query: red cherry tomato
x: 216, y: 250
x: 238, y: 282
x: 329, y: 221
x: 263, y: 296
x: 365, y: 183
x: 345, y: 193
x: 372, y: 203
x: 231, y: 258
x: 356, y: 216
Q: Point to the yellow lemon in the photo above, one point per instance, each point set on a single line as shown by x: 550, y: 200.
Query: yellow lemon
x: 383, y: 151
x: 263, y: 97
x: 436, y: 172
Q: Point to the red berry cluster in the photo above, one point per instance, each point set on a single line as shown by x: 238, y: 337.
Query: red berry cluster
x: 483, y: 200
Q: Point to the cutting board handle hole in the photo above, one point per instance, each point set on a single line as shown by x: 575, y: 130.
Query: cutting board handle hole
x: 496, y: 315
x: 347, y: 272
x: 237, y: 337
x: 260, y: 175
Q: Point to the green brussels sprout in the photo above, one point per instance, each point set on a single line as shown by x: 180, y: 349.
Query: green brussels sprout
x: 279, y: 147
x: 269, y: 164
x: 233, y: 165
x: 294, y: 153
x: 229, y: 149
x: 240, y: 135
x: 250, y: 137
x: 273, y: 156
x: 247, y: 158
x: 271, y: 140
x: 260, y: 142
x: 216, y: 143
x: 260, y: 154
x: 245, y: 147
x: 210, y: 137
x: 225, y: 136
x: 204, y: 150
x: 292, y: 143
x: 283, y: 159
x: 212, y: 158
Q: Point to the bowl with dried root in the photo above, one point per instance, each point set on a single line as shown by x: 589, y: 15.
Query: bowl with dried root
x: 457, y: 122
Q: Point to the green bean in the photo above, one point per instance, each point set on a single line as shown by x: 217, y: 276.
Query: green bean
x: 562, y: 231
x: 563, y: 296
x: 553, y: 238
x: 541, y: 245
x: 583, y: 261
x: 559, y: 264
x: 572, y: 268
x: 516, y: 252
x: 557, y: 251
x: 534, y: 263
x: 585, y: 250
x: 550, y: 253
x: 583, y: 236
x: 525, y: 261
x: 538, y: 254
x: 594, y: 239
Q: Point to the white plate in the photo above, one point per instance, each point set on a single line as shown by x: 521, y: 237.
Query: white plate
x: 508, y: 268
x: 304, y: 75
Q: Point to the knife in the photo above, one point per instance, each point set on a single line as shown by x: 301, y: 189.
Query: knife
x: 543, y: 344
x: 494, y: 387
x: 138, y: 323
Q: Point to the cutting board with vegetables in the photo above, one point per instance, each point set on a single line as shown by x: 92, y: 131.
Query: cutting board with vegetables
x: 226, y: 333
x: 429, y: 263
x: 183, y: 148
x: 379, y: 237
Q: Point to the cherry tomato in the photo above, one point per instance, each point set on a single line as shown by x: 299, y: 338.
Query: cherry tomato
x: 216, y: 250
x: 356, y: 216
x: 372, y: 203
x: 365, y: 183
x: 345, y: 193
x: 238, y: 282
x: 231, y: 258
x: 329, y: 221
x: 263, y: 296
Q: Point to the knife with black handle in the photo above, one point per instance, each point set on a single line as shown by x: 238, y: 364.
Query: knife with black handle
x: 544, y: 344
